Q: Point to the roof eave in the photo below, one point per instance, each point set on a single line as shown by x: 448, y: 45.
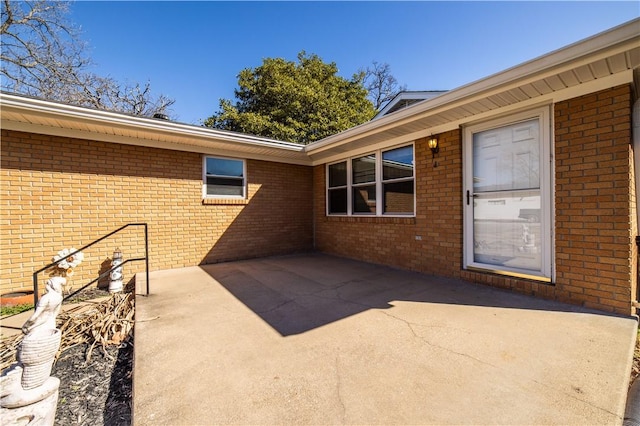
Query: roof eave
x: 622, y: 35
x: 35, y: 111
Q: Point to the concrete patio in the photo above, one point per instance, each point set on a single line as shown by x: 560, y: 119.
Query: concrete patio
x: 315, y: 339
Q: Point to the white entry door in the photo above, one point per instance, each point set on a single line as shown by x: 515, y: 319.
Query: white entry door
x: 507, y: 197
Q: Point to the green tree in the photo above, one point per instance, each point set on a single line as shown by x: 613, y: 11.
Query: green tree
x: 297, y: 102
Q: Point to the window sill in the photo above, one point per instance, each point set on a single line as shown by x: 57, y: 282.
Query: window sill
x: 511, y: 274
x: 225, y: 201
x: 406, y: 220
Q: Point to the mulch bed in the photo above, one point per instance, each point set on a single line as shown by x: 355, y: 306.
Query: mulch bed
x: 97, y: 392
x: 95, y: 364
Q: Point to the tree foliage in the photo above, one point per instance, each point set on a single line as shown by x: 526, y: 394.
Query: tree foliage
x: 42, y: 55
x: 381, y: 84
x: 298, y: 102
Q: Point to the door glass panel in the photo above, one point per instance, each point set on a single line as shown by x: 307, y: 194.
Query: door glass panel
x: 507, y: 202
x: 507, y: 158
x: 506, y: 229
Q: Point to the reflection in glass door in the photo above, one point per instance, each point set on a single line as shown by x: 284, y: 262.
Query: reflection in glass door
x: 505, y: 225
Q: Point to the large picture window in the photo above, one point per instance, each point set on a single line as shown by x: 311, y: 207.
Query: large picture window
x: 379, y: 183
x: 508, y: 196
x: 224, y: 178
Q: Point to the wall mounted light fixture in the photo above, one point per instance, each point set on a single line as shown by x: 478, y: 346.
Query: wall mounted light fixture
x: 432, y: 143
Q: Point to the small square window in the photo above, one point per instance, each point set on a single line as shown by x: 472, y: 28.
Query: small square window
x: 224, y: 178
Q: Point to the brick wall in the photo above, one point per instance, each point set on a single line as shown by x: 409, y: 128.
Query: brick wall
x: 57, y: 192
x: 594, y: 225
x: 392, y: 241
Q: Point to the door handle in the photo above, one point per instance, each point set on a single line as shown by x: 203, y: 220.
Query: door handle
x: 469, y: 196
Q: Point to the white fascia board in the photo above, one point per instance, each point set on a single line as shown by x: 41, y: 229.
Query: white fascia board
x: 96, y: 117
x: 619, y: 38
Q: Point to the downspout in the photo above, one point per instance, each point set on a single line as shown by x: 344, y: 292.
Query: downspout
x: 632, y: 411
x: 313, y: 207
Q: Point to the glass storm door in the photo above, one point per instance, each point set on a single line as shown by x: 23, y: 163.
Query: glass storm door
x: 506, y: 228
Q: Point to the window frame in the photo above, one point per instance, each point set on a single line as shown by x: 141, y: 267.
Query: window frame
x: 205, y: 195
x: 344, y: 187
x: 354, y: 186
x: 547, y: 200
x: 378, y: 182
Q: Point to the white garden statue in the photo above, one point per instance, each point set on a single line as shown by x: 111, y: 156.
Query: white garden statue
x: 29, y: 395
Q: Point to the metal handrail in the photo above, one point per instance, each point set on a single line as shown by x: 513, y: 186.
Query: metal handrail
x: 145, y: 258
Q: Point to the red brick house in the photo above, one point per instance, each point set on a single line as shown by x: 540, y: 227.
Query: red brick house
x: 530, y: 184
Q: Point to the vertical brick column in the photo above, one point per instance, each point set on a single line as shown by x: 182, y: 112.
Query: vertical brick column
x: 594, y: 213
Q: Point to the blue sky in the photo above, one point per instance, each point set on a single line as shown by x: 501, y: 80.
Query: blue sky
x: 193, y: 51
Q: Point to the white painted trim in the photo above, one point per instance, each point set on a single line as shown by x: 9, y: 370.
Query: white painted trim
x: 224, y: 197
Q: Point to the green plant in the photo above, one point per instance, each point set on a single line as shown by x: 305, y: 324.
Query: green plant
x: 16, y: 309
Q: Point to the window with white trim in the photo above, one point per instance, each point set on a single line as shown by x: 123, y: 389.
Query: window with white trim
x: 224, y: 178
x: 380, y: 184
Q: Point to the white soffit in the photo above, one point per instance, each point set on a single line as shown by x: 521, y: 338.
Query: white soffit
x: 599, y: 62
x: 39, y: 116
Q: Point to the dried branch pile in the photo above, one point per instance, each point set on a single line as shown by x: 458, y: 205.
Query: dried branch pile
x: 106, y: 322
x: 635, y: 367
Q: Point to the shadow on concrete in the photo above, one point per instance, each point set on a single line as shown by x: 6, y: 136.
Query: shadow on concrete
x: 298, y: 293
